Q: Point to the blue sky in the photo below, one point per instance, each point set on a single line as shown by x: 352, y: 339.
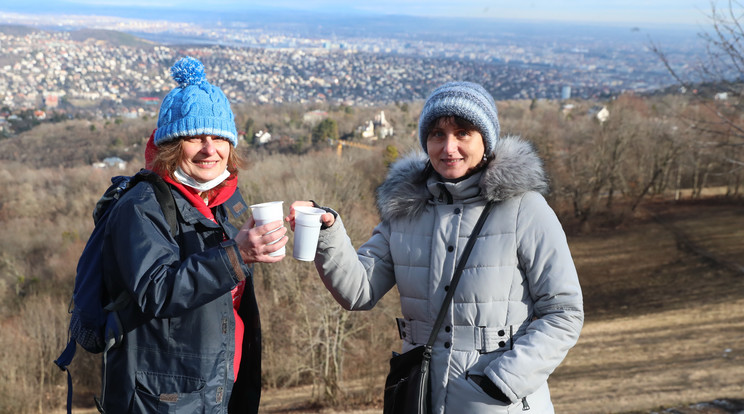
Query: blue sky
x: 636, y: 12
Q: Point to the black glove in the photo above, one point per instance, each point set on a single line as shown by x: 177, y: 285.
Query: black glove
x: 327, y: 209
x: 489, y: 388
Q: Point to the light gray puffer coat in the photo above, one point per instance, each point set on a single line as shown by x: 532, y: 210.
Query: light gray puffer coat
x: 518, y: 308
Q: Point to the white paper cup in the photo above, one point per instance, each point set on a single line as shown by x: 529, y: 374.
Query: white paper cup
x: 266, y: 213
x: 307, y: 230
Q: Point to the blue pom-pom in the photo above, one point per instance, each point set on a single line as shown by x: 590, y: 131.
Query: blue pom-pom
x: 188, y: 71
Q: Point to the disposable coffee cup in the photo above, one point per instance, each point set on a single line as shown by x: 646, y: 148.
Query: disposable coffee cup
x: 266, y: 213
x: 307, y: 230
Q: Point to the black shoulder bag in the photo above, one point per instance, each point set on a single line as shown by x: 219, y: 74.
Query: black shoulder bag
x: 407, y: 388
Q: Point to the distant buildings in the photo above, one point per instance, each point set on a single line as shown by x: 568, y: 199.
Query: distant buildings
x: 368, y: 131
x: 111, y: 162
x: 49, y: 70
x: 261, y: 137
x: 46, y: 70
x: 565, y: 92
x: 51, y: 101
x: 384, y: 128
x: 603, y: 115
x: 379, y: 128
x: 313, y: 117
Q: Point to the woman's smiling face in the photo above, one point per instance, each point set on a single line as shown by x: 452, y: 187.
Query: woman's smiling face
x: 204, y: 157
x: 454, y: 150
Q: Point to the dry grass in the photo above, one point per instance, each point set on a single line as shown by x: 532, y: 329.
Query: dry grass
x: 665, y: 313
x: 662, y: 359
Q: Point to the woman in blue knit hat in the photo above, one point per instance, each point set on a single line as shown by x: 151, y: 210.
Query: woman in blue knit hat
x: 192, y: 339
x: 517, y: 309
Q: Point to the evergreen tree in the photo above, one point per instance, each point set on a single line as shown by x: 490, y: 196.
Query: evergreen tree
x: 326, y: 129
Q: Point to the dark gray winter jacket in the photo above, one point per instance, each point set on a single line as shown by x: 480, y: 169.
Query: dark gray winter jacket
x: 177, y: 353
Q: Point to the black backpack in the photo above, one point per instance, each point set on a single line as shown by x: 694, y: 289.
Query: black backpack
x: 93, y: 324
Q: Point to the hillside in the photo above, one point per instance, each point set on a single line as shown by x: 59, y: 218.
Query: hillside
x: 661, y: 279
x: 112, y: 37
x: 664, y: 303
x: 673, y: 255
x: 16, y: 30
x: 76, y: 143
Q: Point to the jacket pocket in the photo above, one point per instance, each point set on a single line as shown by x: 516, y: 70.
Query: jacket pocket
x: 481, y: 392
x: 166, y: 393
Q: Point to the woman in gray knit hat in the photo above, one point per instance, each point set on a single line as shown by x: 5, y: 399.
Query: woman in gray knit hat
x: 518, y: 307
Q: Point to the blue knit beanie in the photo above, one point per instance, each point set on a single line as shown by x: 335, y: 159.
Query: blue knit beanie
x: 464, y: 99
x: 194, y: 107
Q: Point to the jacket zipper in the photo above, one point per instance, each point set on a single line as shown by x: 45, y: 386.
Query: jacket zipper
x: 525, y: 405
x: 444, y: 193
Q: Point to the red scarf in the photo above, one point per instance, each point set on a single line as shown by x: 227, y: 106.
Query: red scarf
x: 216, y: 197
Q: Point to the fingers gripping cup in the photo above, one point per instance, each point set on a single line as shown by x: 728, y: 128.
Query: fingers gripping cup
x: 267, y: 212
x: 307, y: 230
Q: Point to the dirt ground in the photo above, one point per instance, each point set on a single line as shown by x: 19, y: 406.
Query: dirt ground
x: 664, y: 330
x: 664, y: 302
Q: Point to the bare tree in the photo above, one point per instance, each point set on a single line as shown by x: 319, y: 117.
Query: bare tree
x: 716, y: 86
x: 306, y: 333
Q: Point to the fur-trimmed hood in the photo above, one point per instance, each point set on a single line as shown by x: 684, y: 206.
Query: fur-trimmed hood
x: 514, y: 169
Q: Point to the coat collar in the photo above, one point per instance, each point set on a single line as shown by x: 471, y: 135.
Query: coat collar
x: 515, y: 169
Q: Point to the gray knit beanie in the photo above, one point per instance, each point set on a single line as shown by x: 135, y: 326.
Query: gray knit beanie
x: 466, y: 100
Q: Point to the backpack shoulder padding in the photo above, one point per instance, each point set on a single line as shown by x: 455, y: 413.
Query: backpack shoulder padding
x: 163, y: 195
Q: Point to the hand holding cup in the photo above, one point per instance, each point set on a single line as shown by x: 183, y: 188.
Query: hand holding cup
x: 326, y: 219
x: 263, y: 237
x: 306, y: 220
x: 260, y: 243
x: 265, y: 213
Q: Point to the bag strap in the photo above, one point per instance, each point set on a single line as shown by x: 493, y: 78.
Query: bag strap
x: 164, y: 197
x: 456, y: 277
x: 168, y: 206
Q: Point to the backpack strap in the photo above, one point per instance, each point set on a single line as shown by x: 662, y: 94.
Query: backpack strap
x: 163, y: 195
x: 114, y: 331
x: 63, y: 361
